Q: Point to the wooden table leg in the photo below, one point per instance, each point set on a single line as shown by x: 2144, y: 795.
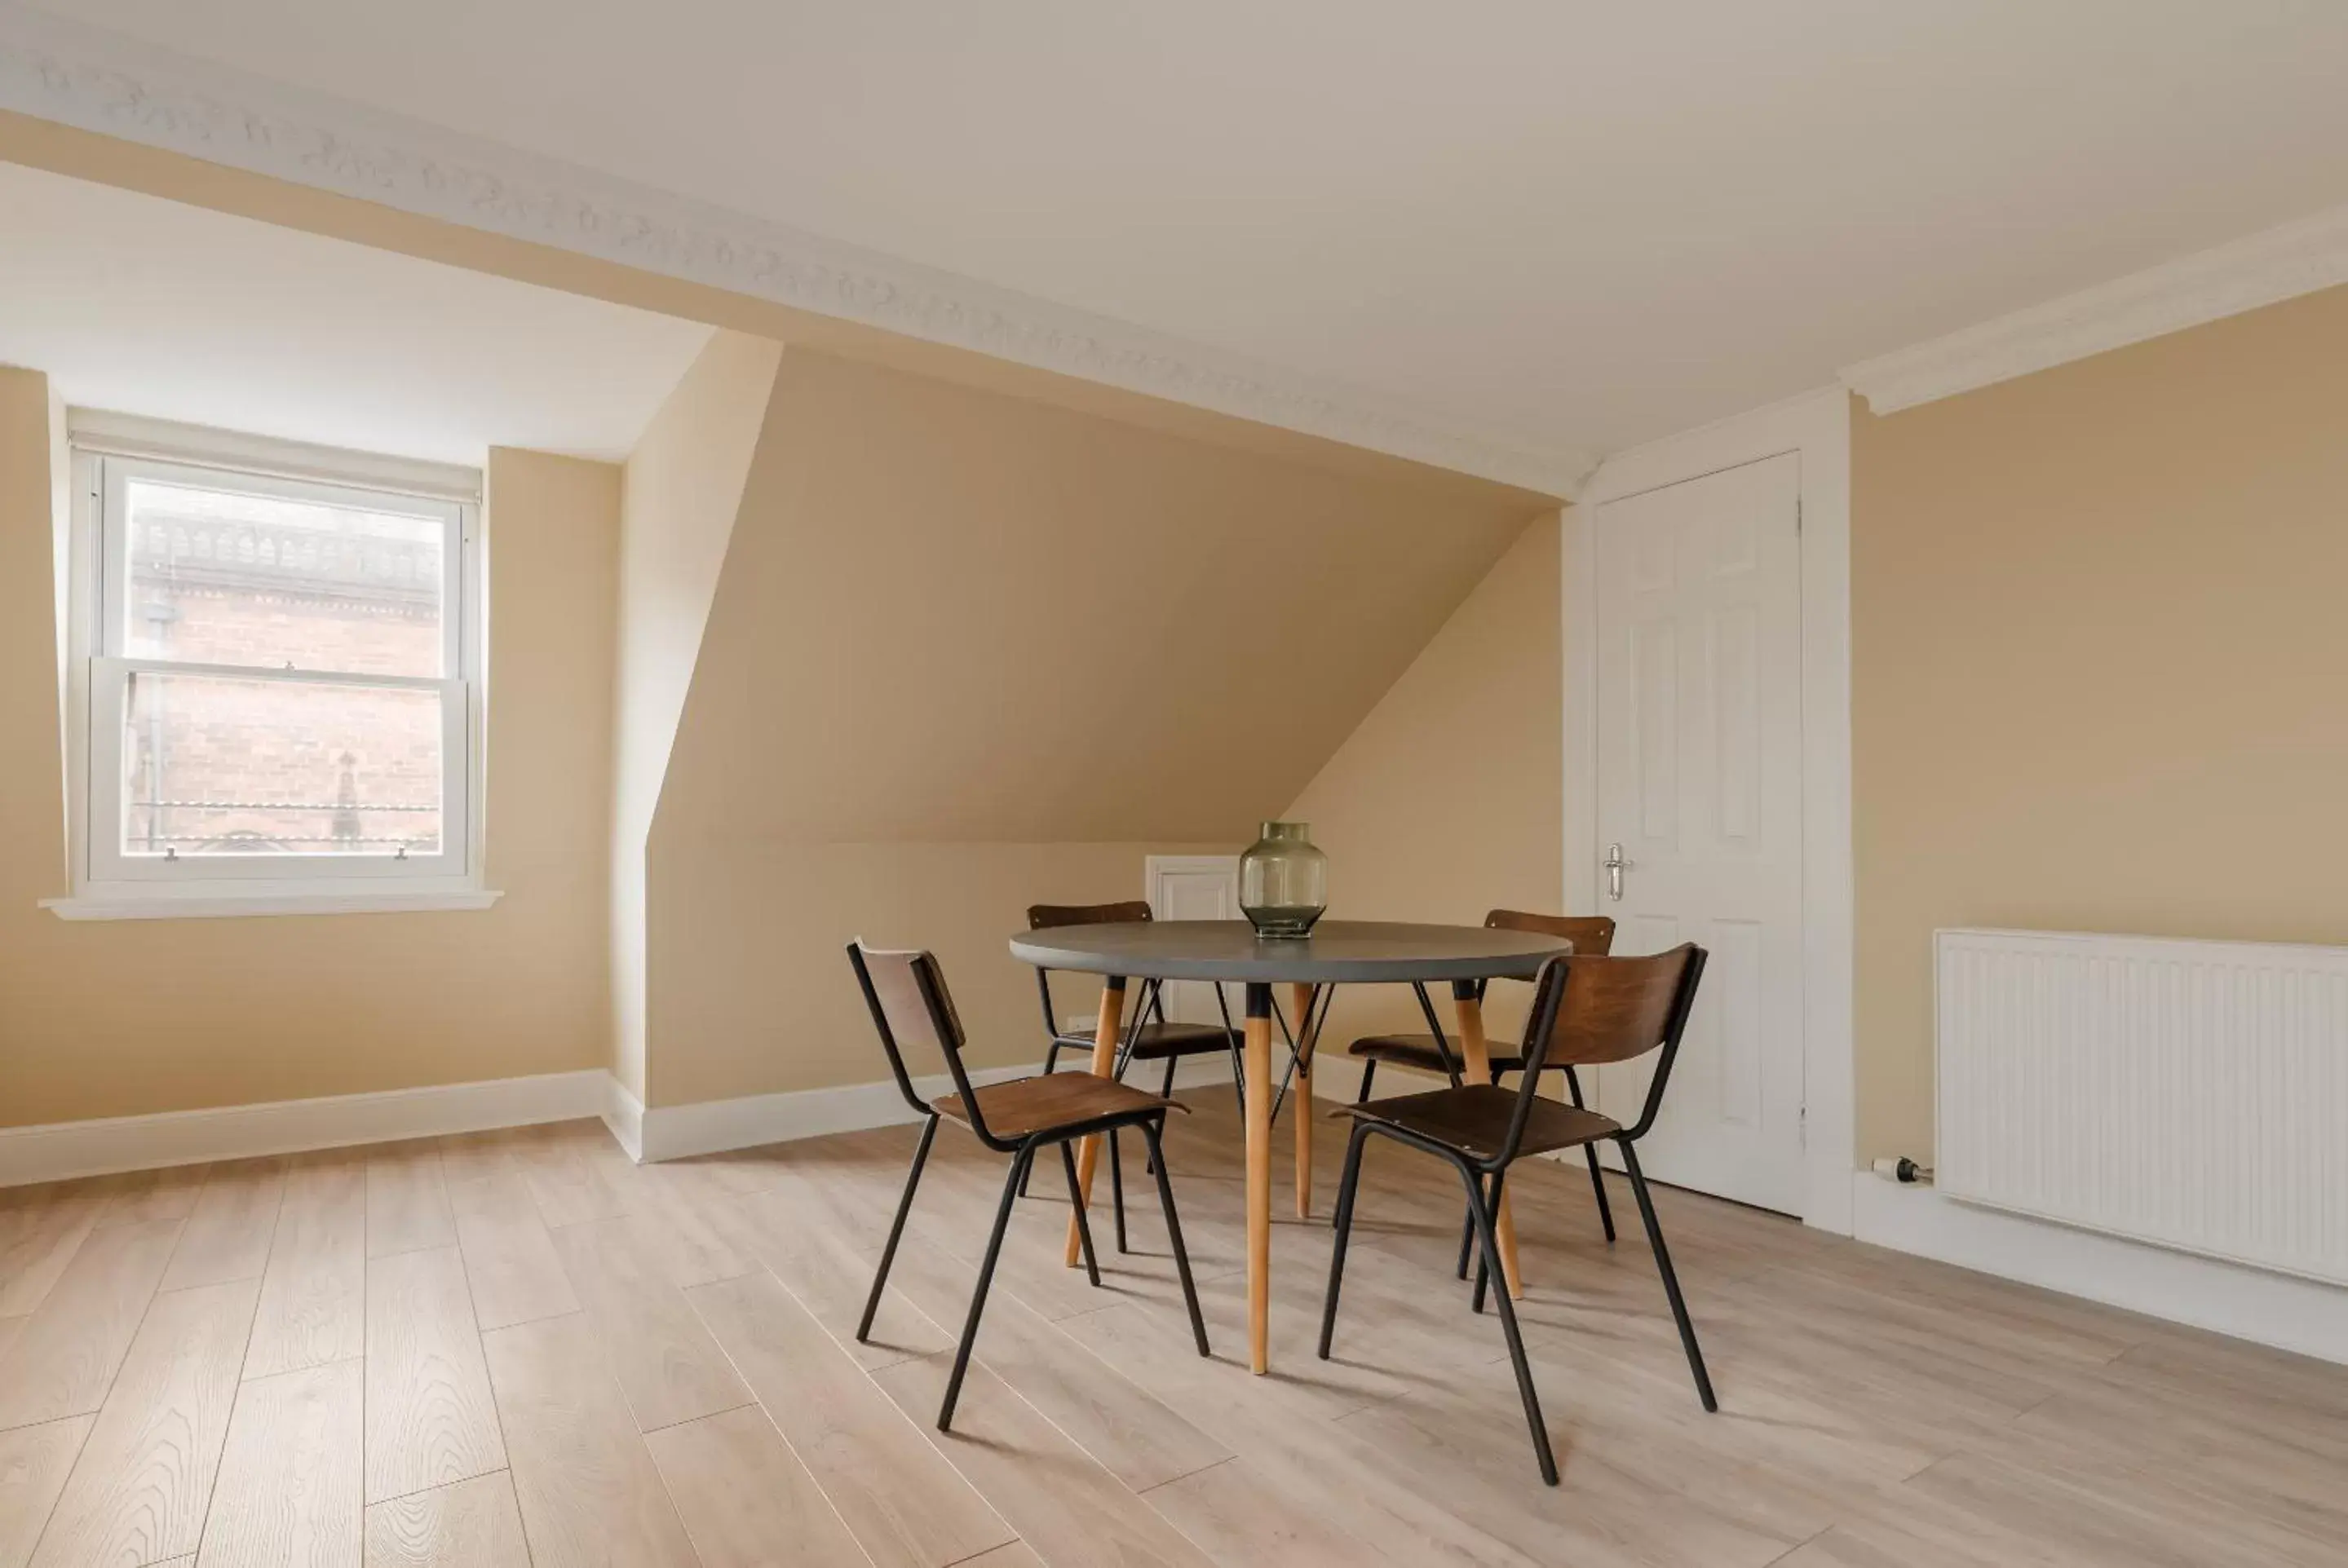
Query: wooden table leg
x: 1105, y: 1032
x: 1302, y: 998
x: 1256, y: 1060
x: 1476, y: 1058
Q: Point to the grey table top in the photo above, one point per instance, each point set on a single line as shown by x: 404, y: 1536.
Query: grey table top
x: 1338, y: 952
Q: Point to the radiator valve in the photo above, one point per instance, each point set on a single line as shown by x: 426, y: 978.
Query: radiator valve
x: 1904, y: 1170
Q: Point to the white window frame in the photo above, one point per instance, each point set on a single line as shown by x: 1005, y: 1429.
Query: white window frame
x: 108, y: 451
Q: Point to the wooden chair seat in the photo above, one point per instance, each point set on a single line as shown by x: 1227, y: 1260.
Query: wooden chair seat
x: 906, y: 992
x: 1148, y: 1034
x: 1588, y: 1011
x: 1160, y: 1042
x: 1474, y: 1120
x: 1027, y: 1106
x: 1593, y: 935
x: 1420, y: 1051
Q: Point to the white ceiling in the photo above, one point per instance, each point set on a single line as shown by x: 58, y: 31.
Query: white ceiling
x: 145, y: 306
x: 1570, y: 222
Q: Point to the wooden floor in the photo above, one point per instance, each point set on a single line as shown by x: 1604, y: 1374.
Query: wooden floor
x: 519, y: 1348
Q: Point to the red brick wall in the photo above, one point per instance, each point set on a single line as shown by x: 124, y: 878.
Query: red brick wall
x: 273, y: 755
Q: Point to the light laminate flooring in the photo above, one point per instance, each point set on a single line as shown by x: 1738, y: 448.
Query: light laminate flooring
x: 519, y: 1348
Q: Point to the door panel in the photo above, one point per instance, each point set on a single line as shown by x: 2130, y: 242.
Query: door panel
x: 1699, y: 780
x: 1194, y: 887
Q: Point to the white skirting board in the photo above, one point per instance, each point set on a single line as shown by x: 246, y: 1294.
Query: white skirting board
x: 2278, y: 1309
x: 713, y: 1126
x: 65, y: 1150
x: 62, y: 1150
x: 623, y: 1113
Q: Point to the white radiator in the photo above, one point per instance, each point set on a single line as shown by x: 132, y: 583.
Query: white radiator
x: 2193, y: 1094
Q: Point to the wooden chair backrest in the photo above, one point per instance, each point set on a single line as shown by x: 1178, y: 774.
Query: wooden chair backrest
x: 1126, y: 912
x: 1049, y: 916
x: 1593, y: 935
x: 907, y: 994
x: 1617, y: 1008
x: 1604, y: 1010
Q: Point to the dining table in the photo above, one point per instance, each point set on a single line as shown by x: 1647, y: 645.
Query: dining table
x: 1336, y: 953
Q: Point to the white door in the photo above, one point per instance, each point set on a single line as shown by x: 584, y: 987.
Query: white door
x: 1699, y: 783
x: 1194, y: 887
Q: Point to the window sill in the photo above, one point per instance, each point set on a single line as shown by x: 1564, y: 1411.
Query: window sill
x: 114, y: 907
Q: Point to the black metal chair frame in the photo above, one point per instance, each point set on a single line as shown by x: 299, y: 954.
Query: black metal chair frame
x: 1485, y: 1179
x: 1302, y: 1040
x: 1022, y: 1149
x: 1151, y: 1008
x: 1453, y: 1070
x: 1151, y: 1003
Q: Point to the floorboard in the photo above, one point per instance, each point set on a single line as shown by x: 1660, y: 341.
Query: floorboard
x: 666, y: 1361
x: 292, y: 1477
x: 64, y: 1359
x: 518, y: 1349
x: 313, y: 1290
x: 407, y: 1199
x: 465, y: 1524
x: 228, y: 1230
x: 589, y: 1490
x: 39, y: 1238
x: 906, y: 1504
x: 509, y: 1257
x: 429, y: 1416
x: 142, y: 1487
x: 34, y: 1464
x: 741, y: 1490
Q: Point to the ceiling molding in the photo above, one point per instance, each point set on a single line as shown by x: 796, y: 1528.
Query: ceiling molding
x: 2281, y: 263
x: 99, y: 81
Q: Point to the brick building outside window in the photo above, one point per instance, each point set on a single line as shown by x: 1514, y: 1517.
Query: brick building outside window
x: 277, y: 679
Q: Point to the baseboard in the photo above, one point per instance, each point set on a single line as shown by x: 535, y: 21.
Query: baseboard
x: 623, y: 1113
x: 62, y: 1150
x: 2277, y: 1309
x: 714, y: 1126
x: 65, y: 1149
x: 1189, y: 1073
x: 1336, y: 1076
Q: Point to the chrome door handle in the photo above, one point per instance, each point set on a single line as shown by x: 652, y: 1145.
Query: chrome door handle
x: 1614, y: 863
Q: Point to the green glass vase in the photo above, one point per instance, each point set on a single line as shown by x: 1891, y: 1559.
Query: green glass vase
x: 1283, y: 881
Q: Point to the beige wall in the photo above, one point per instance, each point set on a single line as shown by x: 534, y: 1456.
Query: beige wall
x: 1238, y: 549
x: 934, y: 594
x: 752, y: 991
x: 2098, y: 664
x: 1449, y: 799
x: 972, y: 651
x: 31, y: 786
x: 103, y: 1019
x: 679, y: 494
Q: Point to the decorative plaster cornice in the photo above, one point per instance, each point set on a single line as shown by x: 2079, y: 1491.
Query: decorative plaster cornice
x: 99, y: 81
x: 2278, y: 264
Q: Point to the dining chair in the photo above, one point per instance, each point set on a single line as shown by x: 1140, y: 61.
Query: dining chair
x: 1588, y: 1010
x: 1593, y: 935
x: 1148, y: 1035
x: 906, y: 992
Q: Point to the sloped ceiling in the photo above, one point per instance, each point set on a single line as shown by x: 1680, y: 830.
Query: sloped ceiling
x: 949, y: 615
x: 159, y: 308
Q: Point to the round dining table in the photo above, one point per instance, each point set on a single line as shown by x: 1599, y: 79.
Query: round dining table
x: 1338, y: 952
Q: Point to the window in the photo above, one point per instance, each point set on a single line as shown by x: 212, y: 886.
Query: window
x: 278, y: 694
